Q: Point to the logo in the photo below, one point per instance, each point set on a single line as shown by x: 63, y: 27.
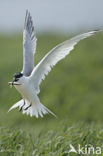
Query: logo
x: 87, y: 149
x: 72, y: 149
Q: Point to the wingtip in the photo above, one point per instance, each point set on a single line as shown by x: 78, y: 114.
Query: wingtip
x: 26, y: 17
x: 27, y: 11
x: 95, y: 31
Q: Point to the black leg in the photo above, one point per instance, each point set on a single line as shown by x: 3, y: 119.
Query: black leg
x: 22, y: 106
x: 28, y: 106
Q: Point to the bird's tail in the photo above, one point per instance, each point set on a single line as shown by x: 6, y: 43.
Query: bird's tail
x: 32, y: 109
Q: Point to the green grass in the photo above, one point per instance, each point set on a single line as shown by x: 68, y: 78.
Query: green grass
x: 53, y: 142
x: 73, y: 90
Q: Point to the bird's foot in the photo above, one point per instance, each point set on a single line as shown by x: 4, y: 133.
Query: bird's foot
x: 20, y: 109
x: 28, y: 106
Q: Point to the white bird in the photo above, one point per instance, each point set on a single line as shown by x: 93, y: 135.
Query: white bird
x: 28, y: 81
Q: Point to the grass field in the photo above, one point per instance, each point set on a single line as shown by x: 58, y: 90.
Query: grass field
x: 73, y: 90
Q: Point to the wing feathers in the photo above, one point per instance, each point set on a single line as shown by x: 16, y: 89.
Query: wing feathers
x: 29, y: 44
x: 55, y: 55
x: 28, y: 25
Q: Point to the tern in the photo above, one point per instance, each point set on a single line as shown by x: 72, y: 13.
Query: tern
x: 27, y: 81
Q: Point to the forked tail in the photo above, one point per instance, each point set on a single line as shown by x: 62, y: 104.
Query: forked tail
x: 32, y: 109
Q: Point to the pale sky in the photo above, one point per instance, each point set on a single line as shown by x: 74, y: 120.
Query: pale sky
x: 55, y: 15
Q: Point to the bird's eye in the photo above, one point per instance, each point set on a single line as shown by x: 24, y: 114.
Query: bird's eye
x: 16, y: 79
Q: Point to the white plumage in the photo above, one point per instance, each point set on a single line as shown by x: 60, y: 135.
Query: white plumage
x: 28, y: 81
x: 29, y: 45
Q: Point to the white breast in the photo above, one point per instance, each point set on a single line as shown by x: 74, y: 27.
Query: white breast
x: 25, y: 88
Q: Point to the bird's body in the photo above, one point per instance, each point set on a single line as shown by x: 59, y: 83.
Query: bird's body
x: 28, y: 81
x: 25, y: 88
x: 30, y: 103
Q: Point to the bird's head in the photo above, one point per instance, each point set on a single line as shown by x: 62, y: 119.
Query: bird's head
x: 17, y: 79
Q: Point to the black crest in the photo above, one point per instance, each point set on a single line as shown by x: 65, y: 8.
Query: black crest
x: 17, y: 75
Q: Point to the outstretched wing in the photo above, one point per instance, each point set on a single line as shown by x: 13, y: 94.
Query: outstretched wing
x: 55, y: 55
x: 29, y: 45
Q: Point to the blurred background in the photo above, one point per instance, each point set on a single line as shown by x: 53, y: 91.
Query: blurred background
x: 63, y: 16
x: 73, y: 90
